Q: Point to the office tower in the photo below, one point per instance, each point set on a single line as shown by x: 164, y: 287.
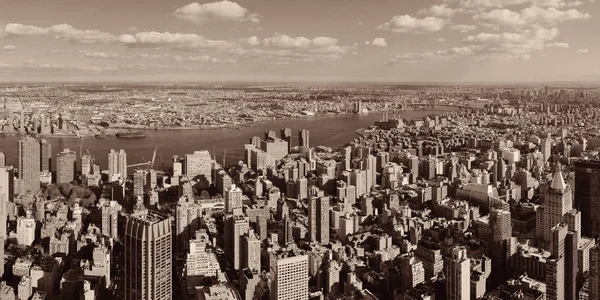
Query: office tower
x: 7, y: 193
x: 555, y: 265
x: 86, y: 165
x: 594, y: 275
x: 200, y: 260
x: 557, y: 208
x: 233, y: 198
x: 546, y: 150
x: 275, y: 148
x: 587, y: 196
x: 187, y: 221
x: 412, y: 272
x: 289, y: 273
x: 139, y: 183
x: 501, y: 233
x: 270, y: 134
x: 117, y: 164
x: 26, y: 229
x: 65, y: 166
x: 457, y: 268
x: 250, y: 254
x: 29, y: 164
x: 110, y: 213
x: 2, y: 159
x: 318, y: 219
x: 286, y: 135
x: 198, y: 164
x: 235, y: 227
x: 301, y: 188
x: 346, y: 157
x: 148, y: 257
x: 303, y: 137
x: 45, y: 156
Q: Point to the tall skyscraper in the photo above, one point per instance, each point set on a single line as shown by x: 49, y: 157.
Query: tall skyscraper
x: 26, y: 229
x: 555, y: 265
x: 501, y: 227
x: 557, y: 208
x: 289, y: 273
x: 148, y: 257
x: 250, y: 254
x: 6, y: 195
x: 2, y: 159
x: 65, y: 166
x: 233, y: 198
x: 117, y: 164
x: 318, y: 219
x: 546, y: 146
x: 86, y: 164
x: 45, y: 156
x: 29, y: 164
x: 587, y: 196
x: 198, y: 164
x: 303, y: 137
x: 139, y: 182
x: 235, y: 227
x: 457, y: 268
x: 286, y: 135
x: 594, y: 275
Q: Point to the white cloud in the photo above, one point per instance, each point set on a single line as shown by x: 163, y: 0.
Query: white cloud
x: 252, y: 41
x: 558, y: 45
x: 379, y: 42
x: 441, y: 11
x: 463, y: 28
x: 481, y: 5
x: 529, y: 16
x: 182, y: 41
x: 406, y: 23
x: 95, y: 54
x: 9, y: 48
x: 435, y: 56
x: 441, y: 40
x: 584, y: 51
x: 61, y: 31
x: 223, y: 10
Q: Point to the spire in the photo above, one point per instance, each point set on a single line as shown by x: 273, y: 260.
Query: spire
x: 558, y: 183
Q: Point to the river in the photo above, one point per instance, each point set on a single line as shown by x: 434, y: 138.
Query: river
x: 331, y: 131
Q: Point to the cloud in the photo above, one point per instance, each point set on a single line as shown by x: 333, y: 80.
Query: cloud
x: 321, y: 44
x: 529, y: 17
x: 181, y: 41
x: 440, y: 55
x: 379, y: 42
x: 584, y: 51
x: 464, y: 28
x: 252, y: 41
x: 406, y: 23
x: 61, y: 31
x: 441, y: 11
x: 481, y: 5
x: 223, y: 10
x: 558, y: 45
x: 441, y: 40
x: 204, y: 58
x: 9, y: 48
x: 95, y: 54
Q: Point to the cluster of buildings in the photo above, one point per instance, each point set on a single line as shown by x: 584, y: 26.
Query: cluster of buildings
x: 495, y: 203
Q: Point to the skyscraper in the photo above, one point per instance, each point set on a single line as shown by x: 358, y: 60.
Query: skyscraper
x: 198, y: 164
x: 139, y: 182
x: 457, y: 268
x: 233, y: 198
x: 250, y: 254
x: 303, y: 137
x: 2, y: 159
x: 117, y: 164
x: 148, y: 257
x: 45, y: 156
x: 289, y: 273
x: 318, y: 219
x: 65, y: 166
x: 6, y: 195
x: 587, y: 196
x: 86, y: 164
x: 29, y: 164
x: 594, y: 275
x: 501, y: 227
x: 286, y: 135
x: 235, y: 227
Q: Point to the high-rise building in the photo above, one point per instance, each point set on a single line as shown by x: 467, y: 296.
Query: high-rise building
x: 148, y: 257
x: 200, y: 260
x: 412, y: 272
x: 26, y: 229
x: 555, y: 265
x: 139, y: 183
x: 198, y: 166
x: 235, y: 227
x: 86, y: 164
x: 501, y: 233
x: 557, y: 208
x: 117, y: 164
x: 65, y: 166
x: 318, y: 219
x: 29, y: 164
x: 587, y: 196
x: 303, y: 137
x: 233, y: 198
x: 2, y: 159
x: 457, y: 268
x: 289, y: 273
x: 110, y: 213
x: 45, y: 156
x: 250, y: 254
x: 594, y: 275
x: 7, y: 193
x: 286, y: 135
x: 546, y: 145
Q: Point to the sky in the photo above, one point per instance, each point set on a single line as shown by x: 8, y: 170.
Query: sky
x: 307, y: 40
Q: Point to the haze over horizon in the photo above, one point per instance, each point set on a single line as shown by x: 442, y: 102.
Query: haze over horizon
x: 441, y: 41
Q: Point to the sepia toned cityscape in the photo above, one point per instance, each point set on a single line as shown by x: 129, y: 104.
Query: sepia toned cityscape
x: 317, y: 149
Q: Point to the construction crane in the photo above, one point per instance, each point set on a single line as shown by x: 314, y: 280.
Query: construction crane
x: 21, y: 100
x: 149, y: 164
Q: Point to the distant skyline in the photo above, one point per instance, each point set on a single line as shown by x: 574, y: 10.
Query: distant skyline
x: 407, y: 41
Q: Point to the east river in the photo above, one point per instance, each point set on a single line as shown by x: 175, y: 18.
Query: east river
x: 331, y: 131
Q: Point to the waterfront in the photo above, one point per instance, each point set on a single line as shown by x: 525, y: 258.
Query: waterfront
x: 331, y: 131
